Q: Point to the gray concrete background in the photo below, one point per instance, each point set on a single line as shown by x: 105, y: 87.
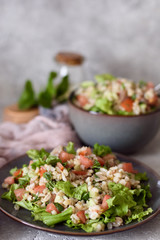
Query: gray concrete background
x: 121, y: 37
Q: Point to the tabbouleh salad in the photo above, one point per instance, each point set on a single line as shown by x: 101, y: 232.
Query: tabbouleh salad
x: 83, y: 188
x: 117, y: 96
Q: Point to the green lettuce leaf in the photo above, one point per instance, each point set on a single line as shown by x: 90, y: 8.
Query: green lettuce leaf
x: 80, y: 193
x: 10, y: 194
x: 101, y: 150
x: 24, y: 180
x: 52, y: 160
x: 141, y: 176
x: 66, y: 187
x: 138, y: 215
x: 104, y: 77
x: 13, y: 170
x: 35, y: 154
x: 51, y: 220
x: 70, y: 148
x: 104, y: 105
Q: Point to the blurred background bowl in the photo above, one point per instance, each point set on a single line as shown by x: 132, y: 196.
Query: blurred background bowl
x: 125, y: 134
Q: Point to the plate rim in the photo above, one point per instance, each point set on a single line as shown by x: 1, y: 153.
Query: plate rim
x: 114, y: 230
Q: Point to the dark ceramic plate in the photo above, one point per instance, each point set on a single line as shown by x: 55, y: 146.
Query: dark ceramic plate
x: 24, y: 216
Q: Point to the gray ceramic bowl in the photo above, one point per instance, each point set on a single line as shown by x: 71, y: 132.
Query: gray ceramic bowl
x: 125, y: 134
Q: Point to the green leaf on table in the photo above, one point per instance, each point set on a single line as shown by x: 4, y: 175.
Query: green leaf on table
x: 27, y: 99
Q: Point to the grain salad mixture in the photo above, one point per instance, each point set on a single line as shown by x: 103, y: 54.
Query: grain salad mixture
x: 117, y: 96
x: 83, y: 188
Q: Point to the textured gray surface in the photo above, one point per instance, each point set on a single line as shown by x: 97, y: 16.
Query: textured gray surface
x: 120, y: 36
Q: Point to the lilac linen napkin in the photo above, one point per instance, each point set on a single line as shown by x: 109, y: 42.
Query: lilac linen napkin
x: 41, y: 132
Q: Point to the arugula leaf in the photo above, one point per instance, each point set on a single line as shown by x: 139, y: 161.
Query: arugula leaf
x: 10, y: 194
x: 101, y: 150
x: 62, y: 88
x: 27, y: 99
x: 66, y: 187
x: 70, y: 148
x: 141, y: 176
x: 13, y: 170
x: 104, y: 77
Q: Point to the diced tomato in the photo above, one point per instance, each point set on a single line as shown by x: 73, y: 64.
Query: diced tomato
x: 9, y: 180
x: 128, y: 167
x: 86, y: 161
x: 153, y: 101
x: 101, y: 161
x: 19, y: 193
x: 127, y: 104
x: 39, y: 189
x: 104, y: 205
x: 60, y: 166
x: 41, y: 171
x: 128, y: 184
x: 17, y: 174
x: 53, y: 196
x: 150, y: 85
x: 109, y: 157
x: 79, y: 172
x: 82, y: 100
x: 69, y: 165
x: 86, y: 152
x: 64, y: 156
x: 82, y: 216
x: 50, y: 207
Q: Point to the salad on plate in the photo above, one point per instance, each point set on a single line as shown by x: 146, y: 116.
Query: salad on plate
x: 81, y: 188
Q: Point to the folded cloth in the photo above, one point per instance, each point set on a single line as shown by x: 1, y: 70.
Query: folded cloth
x: 41, y: 132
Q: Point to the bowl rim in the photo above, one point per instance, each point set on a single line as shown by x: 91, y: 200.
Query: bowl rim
x: 70, y: 101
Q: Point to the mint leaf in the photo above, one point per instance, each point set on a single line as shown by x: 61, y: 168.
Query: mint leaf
x: 27, y: 99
